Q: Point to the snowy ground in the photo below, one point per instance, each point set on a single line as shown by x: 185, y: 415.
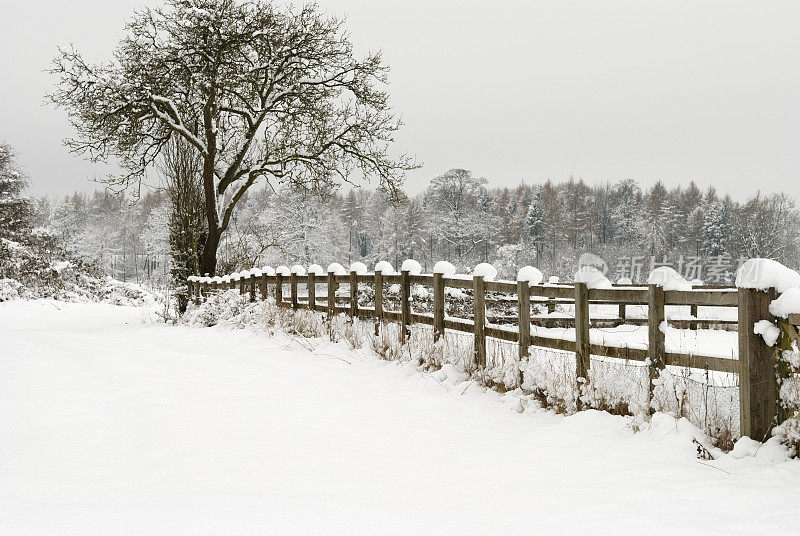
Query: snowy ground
x: 111, y: 426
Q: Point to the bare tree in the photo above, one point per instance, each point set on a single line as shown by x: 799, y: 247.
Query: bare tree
x: 258, y: 92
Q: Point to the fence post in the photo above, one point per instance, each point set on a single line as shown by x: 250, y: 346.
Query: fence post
x: 312, y: 291
x: 655, y: 337
x: 241, y: 285
x: 378, y: 301
x: 693, y: 312
x: 279, y: 289
x: 438, y: 306
x: 757, y: 385
x: 331, y: 291
x: 263, y: 284
x: 551, y: 305
x: 622, y: 312
x: 524, y: 317
x: 405, y: 304
x: 251, y: 282
x: 583, y: 354
x: 353, y: 294
x: 479, y: 317
x: 293, y: 290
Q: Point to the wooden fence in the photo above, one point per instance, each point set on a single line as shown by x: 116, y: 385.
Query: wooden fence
x: 755, y: 366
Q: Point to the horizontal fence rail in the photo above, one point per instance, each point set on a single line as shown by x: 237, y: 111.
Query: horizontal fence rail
x: 516, y: 328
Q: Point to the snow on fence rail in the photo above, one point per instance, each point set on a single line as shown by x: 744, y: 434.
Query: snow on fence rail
x: 754, y: 364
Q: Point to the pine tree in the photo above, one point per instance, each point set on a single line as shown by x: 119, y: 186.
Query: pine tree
x: 17, y: 212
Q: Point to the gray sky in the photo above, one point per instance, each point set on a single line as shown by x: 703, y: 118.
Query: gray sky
x: 602, y: 90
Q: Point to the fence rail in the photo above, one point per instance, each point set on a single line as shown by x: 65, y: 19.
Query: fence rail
x: 754, y: 366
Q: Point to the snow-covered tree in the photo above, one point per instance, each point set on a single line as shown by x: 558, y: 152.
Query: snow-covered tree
x: 16, y: 210
x: 258, y: 91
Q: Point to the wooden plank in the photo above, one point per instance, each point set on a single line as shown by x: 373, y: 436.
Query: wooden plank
x: 502, y: 334
x: 458, y: 325
x: 365, y: 278
x: 794, y: 319
x: 419, y: 318
x: 394, y: 316
x: 583, y: 359
x: 701, y: 297
x: 506, y: 287
x: 392, y: 279
x: 524, y: 317
x: 553, y: 292
x: 421, y: 279
x: 455, y: 282
x: 405, y: 304
x: 438, y: 306
x: 479, y: 320
x: 719, y: 364
x: 758, y: 388
x: 344, y: 278
x: 615, y: 296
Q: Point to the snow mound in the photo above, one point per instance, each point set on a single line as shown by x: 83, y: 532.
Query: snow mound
x: 298, y: 270
x: 444, y: 268
x: 592, y: 277
x: 486, y: 271
x: 235, y: 276
x: 256, y: 272
x: 385, y: 267
x: 624, y: 281
x: 283, y: 270
x: 787, y: 303
x: 553, y: 280
x: 315, y: 269
x: 530, y: 274
x: 668, y: 279
x: 411, y: 266
x: 768, y: 331
x: 696, y: 282
x: 359, y: 267
x: 337, y: 269
x: 268, y: 270
x: 762, y: 274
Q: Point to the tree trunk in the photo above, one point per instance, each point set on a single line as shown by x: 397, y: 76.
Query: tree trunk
x: 208, y: 262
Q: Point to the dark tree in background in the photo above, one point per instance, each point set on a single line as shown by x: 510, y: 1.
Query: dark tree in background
x: 258, y: 92
x: 180, y: 168
x: 17, y: 211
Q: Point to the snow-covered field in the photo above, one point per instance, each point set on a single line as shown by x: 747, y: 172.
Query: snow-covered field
x: 109, y: 425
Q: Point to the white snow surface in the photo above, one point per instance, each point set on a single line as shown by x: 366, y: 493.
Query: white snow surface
x: 337, y: 269
x: 667, y: 278
x: 385, y: 268
x: 268, y: 270
x: 283, y: 270
x: 298, y: 269
x: 485, y: 270
x: 768, y: 331
x: 762, y: 274
x: 593, y: 277
x: 445, y: 268
x: 316, y: 269
x: 111, y: 426
x: 530, y: 274
x: 787, y: 303
x: 411, y: 266
x: 359, y: 267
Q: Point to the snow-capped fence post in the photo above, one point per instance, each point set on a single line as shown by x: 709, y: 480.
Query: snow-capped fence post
x: 583, y: 361
x: 279, y: 289
x: 405, y: 304
x: 293, y: 289
x: 438, y: 306
x: 312, y: 291
x: 524, y: 317
x: 353, y: 294
x: 655, y: 337
x: 251, y: 285
x: 757, y: 383
x: 331, y: 290
x: 479, y: 315
x: 378, y: 301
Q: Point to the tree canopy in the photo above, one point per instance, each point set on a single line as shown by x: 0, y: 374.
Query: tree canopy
x: 259, y: 92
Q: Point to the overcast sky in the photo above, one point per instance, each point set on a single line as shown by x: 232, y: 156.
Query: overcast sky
x: 601, y: 90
